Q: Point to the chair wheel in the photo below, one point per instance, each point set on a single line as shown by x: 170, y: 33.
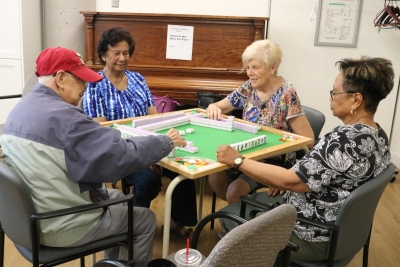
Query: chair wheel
x: 394, y: 176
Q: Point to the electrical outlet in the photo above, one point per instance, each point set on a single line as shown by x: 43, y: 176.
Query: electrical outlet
x: 114, y: 3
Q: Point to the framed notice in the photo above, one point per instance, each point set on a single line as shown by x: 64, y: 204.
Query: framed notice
x: 338, y: 22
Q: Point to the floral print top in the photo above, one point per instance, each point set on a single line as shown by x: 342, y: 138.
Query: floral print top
x: 274, y: 112
x: 343, y: 159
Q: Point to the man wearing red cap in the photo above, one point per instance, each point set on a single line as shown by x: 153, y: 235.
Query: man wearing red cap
x: 65, y: 157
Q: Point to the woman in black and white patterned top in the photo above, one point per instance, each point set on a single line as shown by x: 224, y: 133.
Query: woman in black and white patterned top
x: 345, y: 158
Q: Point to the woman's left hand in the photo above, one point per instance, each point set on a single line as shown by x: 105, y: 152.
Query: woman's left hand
x: 272, y: 191
x: 214, y: 112
x: 227, y: 155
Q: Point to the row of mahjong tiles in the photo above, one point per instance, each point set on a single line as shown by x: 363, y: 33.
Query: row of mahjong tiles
x: 158, y: 123
x: 256, y: 141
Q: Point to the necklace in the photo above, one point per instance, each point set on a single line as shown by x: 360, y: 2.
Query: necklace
x: 361, y: 119
x: 119, y: 82
x: 364, y: 117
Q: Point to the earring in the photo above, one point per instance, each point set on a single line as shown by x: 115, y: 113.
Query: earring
x: 353, y: 112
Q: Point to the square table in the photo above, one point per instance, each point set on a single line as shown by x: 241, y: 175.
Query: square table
x: 207, y: 140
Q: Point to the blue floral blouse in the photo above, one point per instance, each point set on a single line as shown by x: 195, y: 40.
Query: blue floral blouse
x: 274, y: 112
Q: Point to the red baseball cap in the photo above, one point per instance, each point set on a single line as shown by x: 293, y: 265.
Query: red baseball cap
x: 54, y: 59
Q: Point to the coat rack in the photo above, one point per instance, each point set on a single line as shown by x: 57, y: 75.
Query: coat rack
x: 388, y: 17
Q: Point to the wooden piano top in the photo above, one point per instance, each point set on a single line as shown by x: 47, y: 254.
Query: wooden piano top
x: 218, y: 44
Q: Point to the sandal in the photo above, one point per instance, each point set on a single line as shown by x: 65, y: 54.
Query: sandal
x: 180, y: 232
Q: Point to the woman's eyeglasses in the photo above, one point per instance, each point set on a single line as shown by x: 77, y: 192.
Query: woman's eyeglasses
x: 331, y: 93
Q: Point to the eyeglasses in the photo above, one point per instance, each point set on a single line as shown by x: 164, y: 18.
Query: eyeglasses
x: 331, y: 93
x: 75, y: 77
x: 79, y: 79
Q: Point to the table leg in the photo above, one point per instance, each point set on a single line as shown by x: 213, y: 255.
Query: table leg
x: 201, y: 194
x: 167, y: 213
x: 305, y: 149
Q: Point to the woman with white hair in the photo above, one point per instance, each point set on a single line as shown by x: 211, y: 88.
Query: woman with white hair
x: 266, y: 99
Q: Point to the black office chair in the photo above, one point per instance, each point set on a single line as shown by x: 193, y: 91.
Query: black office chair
x: 1, y: 131
x: 351, y: 230
x: 317, y: 120
x: 120, y: 263
x: 206, y: 98
x: 19, y: 221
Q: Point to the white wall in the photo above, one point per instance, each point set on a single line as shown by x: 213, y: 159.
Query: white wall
x: 311, y: 68
x: 64, y: 25
x: 31, y: 34
x: 254, y: 8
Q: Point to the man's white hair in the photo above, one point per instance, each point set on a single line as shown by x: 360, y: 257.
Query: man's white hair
x: 45, y: 79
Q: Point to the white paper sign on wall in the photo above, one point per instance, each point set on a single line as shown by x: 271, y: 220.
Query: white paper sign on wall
x: 180, y: 42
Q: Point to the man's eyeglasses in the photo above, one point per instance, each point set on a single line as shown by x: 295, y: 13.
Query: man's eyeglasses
x: 75, y: 77
x: 331, y: 93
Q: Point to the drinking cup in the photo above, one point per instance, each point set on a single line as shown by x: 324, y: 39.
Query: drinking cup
x: 191, y: 259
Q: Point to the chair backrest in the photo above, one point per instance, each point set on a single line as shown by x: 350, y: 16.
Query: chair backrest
x: 110, y: 263
x: 206, y: 98
x: 256, y: 242
x: 356, y: 215
x: 80, y: 104
x: 316, y: 119
x: 1, y: 128
x: 16, y: 206
x: 30, y: 82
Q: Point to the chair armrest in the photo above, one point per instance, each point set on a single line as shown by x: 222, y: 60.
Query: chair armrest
x: 82, y: 208
x: 78, y: 209
x: 10, y: 96
x: 247, y: 200
x: 334, y: 234
x: 210, y: 217
x: 293, y: 247
x: 324, y: 225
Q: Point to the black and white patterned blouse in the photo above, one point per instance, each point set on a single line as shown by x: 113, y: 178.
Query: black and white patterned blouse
x: 344, y: 159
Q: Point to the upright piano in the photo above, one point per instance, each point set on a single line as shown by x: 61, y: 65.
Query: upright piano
x: 218, y: 44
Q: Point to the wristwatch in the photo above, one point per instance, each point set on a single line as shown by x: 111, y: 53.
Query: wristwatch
x: 238, y: 161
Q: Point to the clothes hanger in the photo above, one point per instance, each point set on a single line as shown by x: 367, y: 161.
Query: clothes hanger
x: 381, y: 16
x: 388, y: 17
x: 397, y: 11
